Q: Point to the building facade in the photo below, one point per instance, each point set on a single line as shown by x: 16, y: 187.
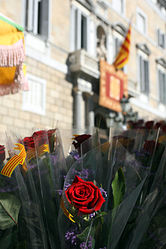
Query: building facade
x: 65, y: 41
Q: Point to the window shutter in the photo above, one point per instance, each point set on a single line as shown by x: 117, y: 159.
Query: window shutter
x: 78, y: 28
x: 160, y: 85
x: 141, y: 73
x: 164, y: 91
x: 44, y: 18
x: 146, y: 67
x: 163, y: 40
x: 91, y: 36
x: 109, y: 48
x: 72, y: 30
x: 29, y: 15
x: 158, y: 37
x: 83, y: 32
x: 117, y: 45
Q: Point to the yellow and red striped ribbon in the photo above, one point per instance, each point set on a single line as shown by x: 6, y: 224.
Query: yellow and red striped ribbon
x: 40, y: 151
x: 14, y: 161
x: 123, y: 55
x: 66, y: 212
x: 20, y: 158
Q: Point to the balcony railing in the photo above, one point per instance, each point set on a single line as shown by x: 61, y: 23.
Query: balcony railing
x: 81, y: 61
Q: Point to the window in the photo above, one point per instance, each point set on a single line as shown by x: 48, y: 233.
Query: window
x: 141, y: 22
x: 37, y: 17
x: 162, y: 86
x: 160, y: 38
x: 79, y: 29
x: 34, y: 99
x: 143, y: 74
x: 119, y: 5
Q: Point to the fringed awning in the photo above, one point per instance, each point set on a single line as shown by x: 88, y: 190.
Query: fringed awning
x: 12, y: 55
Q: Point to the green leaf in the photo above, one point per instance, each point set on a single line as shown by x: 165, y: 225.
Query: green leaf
x: 122, y: 216
x: 144, y: 219
x: 9, y: 210
x: 6, y: 238
x: 118, y: 187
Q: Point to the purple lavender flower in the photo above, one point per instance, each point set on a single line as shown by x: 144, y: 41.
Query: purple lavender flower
x: 60, y: 191
x: 90, y: 242
x: 103, y: 192
x: 84, y: 173
x: 87, y: 245
x: 91, y: 216
x: 66, y: 186
x: 75, y: 155
x: 71, y: 237
x: 83, y: 245
x: 53, y: 159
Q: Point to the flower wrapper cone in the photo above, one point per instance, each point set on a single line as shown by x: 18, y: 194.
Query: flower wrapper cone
x: 8, y: 197
x: 30, y: 229
x: 51, y: 170
x: 89, y: 168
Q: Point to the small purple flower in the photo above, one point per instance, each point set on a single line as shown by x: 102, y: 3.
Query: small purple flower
x: 83, y: 245
x: 91, y: 216
x: 87, y: 245
x: 71, y: 237
x: 66, y: 186
x: 53, y: 159
x: 75, y: 155
x: 60, y: 191
x: 83, y: 173
x: 103, y: 192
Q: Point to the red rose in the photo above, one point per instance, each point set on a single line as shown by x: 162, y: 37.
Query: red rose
x: 51, y: 132
x: 149, y: 146
x: 149, y: 124
x: 40, y: 137
x: 28, y: 142
x: 51, y: 138
x: 84, y: 196
x: 78, y: 140
x: 2, y: 153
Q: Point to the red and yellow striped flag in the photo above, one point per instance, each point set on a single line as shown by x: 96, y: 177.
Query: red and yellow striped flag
x: 123, y: 55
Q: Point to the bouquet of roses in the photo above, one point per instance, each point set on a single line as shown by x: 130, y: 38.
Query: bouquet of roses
x: 100, y: 196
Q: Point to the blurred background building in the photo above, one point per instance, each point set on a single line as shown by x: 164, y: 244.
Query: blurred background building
x: 65, y: 39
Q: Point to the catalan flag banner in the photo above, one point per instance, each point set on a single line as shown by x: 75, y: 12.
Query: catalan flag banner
x: 14, y: 161
x: 123, y: 55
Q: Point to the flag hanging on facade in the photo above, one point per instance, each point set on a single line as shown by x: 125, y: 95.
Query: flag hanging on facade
x: 12, y: 56
x: 123, y: 55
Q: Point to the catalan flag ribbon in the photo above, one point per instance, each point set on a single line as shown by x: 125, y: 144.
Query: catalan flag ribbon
x: 66, y: 212
x: 14, y: 161
x: 31, y: 153
x: 123, y: 55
